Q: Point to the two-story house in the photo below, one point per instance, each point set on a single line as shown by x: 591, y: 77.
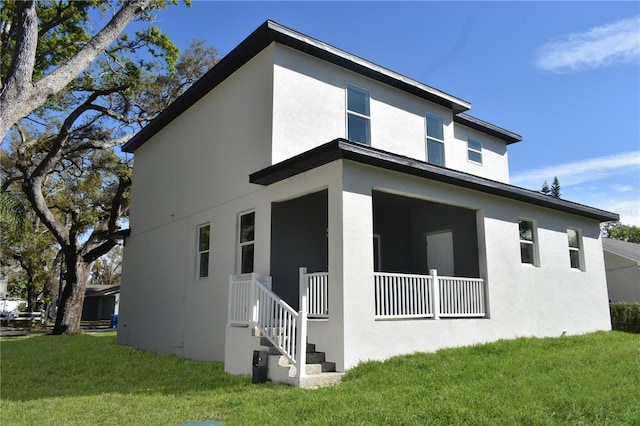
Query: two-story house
x: 291, y: 153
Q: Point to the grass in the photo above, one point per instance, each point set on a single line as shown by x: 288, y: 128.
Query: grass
x: 89, y: 380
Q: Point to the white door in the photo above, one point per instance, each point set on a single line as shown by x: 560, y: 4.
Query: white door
x: 440, y: 252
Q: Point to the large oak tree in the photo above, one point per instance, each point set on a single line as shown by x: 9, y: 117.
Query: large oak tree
x: 68, y: 96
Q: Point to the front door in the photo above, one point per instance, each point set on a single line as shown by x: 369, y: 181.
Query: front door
x: 440, y: 252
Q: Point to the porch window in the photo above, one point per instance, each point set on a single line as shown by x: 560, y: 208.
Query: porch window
x: 575, y: 252
x: 474, y: 151
x: 358, y: 118
x: 246, y: 239
x: 528, y: 248
x: 202, y: 258
x: 435, y: 140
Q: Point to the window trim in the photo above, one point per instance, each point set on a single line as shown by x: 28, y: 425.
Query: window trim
x: 200, y: 252
x: 578, y: 249
x: 474, y: 150
x: 241, y: 244
x: 535, y: 261
x: 358, y: 114
x: 428, y: 138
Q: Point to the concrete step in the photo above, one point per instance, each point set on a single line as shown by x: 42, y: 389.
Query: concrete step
x: 320, y: 368
x: 315, y: 357
x: 315, y: 381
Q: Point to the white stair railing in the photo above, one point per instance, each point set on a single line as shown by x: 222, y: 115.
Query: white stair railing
x: 253, y: 304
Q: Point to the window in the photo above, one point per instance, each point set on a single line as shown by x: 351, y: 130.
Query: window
x: 435, y: 140
x: 358, y: 126
x: 528, y: 249
x: 246, y: 237
x: 575, y: 255
x: 203, y: 251
x: 474, y: 151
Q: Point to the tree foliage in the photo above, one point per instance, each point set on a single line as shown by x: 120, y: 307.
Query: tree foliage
x: 553, y: 190
x: 555, y: 187
x: 85, y: 92
x: 618, y: 231
x: 27, y: 252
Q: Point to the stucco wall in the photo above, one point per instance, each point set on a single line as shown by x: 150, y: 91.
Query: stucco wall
x: 195, y: 171
x: 310, y: 109
x: 548, y: 300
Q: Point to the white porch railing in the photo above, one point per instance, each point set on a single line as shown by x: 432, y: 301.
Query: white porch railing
x: 461, y: 297
x: 316, y: 286
x: 404, y: 296
x: 252, y: 303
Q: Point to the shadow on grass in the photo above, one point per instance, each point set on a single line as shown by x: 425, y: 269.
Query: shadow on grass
x: 93, y: 364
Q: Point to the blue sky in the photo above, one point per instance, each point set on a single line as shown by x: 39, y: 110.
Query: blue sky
x: 564, y: 75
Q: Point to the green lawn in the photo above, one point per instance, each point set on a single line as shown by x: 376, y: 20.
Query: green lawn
x: 89, y: 380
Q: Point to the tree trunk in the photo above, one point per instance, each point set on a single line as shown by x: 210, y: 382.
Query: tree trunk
x: 72, y: 299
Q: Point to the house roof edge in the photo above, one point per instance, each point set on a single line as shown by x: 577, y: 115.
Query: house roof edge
x: 347, y: 150
x: 260, y: 38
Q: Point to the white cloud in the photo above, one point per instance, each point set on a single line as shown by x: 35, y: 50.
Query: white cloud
x: 578, y: 172
x: 613, y: 43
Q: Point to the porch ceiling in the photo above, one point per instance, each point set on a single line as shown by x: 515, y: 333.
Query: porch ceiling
x: 341, y: 149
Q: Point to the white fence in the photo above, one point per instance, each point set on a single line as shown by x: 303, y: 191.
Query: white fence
x: 405, y: 296
x: 461, y: 297
x: 316, y: 286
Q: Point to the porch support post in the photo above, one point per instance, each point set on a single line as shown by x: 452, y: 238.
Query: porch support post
x: 230, y: 314
x: 303, y: 289
x: 435, y: 293
x: 301, y: 340
x: 253, y: 299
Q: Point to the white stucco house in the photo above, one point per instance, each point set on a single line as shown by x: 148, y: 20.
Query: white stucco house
x: 622, y: 265
x: 291, y: 153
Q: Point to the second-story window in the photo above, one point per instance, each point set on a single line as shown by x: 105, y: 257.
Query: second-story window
x: 435, y: 140
x: 474, y: 151
x: 358, y: 119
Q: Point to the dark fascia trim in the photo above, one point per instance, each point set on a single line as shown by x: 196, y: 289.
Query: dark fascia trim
x: 346, y: 150
x: 264, y: 35
x: 491, y: 129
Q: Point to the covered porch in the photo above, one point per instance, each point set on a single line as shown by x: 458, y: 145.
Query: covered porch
x: 337, y: 268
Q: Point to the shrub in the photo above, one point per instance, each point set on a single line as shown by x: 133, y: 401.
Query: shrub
x: 625, y: 317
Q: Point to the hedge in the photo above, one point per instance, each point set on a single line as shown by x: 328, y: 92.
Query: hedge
x: 625, y: 316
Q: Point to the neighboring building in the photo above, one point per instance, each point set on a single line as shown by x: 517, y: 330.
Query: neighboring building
x: 622, y: 263
x: 100, y: 302
x: 292, y: 153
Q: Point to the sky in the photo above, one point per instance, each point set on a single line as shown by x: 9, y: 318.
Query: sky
x: 564, y: 75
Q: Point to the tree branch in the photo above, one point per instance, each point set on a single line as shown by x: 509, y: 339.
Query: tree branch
x: 21, y: 96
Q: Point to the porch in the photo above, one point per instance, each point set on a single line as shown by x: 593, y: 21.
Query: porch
x: 253, y: 305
